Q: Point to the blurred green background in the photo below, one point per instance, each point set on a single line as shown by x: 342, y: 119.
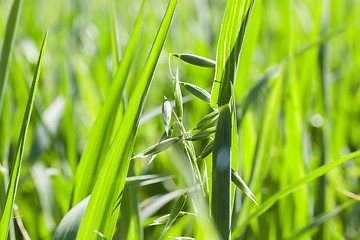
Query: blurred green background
x: 318, y: 121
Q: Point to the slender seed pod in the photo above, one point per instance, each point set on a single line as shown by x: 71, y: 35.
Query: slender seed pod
x: 207, y: 150
x: 178, y: 97
x: 207, y: 120
x: 163, y: 137
x: 195, y: 60
x: 204, y: 134
x: 166, y: 114
x: 197, y: 91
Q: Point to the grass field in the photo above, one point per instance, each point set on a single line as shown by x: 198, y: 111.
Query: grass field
x: 173, y: 119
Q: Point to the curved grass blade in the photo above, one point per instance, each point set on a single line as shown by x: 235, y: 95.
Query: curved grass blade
x: 263, y: 144
x: 174, y: 213
x: 144, y: 180
x: 349, y: 194
x: 221, y: 190
x: 319, y: 220
x: 157, y: 148
x: 115, y: 42
x: 254, y: 92
x: 195, y: 60
x: 102, y: 211
x: 8, y: 46
x: 291, y: 188
x: 231, y: 38
x: 237, y: 180
x: 163, y: 137
x: 235, y: 148
x: 132, y: 229
x: 207, y: 150
x: 163, y: 219
x: 69, y: 226
x: 101, y: 132
x: 15, y: 170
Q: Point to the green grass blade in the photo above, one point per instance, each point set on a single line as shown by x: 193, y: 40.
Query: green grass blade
x: 234, y: 149
x: 175, y: 210
x: 102, y: 210
x: 319, y: 220
x: 15, y: 170
x: 157, y: 148
x: 8, y: 46
x: 203, y: 134
x: 232, y: 35
x: 163, y: 219
x: 239, y: 182
x: 69, y: 225
x: 100, y: 135
x: 293, y: 187
x: 261, y: 155
x: 254, y: 92
x: 115, y: 42
x: 221, y: 191
x: 130, y: 211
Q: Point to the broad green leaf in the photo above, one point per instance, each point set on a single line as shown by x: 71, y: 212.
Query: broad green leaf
x: 100, y: 136
x: 17, y: 161
x: 291, y: 188
x: 69, y: 226
x: 221, y: 190
x: 229, y: 46
x: 8, y: 46
x: 130, y: 211
x: 102, y: 211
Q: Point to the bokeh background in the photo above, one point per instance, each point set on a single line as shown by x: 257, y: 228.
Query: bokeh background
x: 318, y: 120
